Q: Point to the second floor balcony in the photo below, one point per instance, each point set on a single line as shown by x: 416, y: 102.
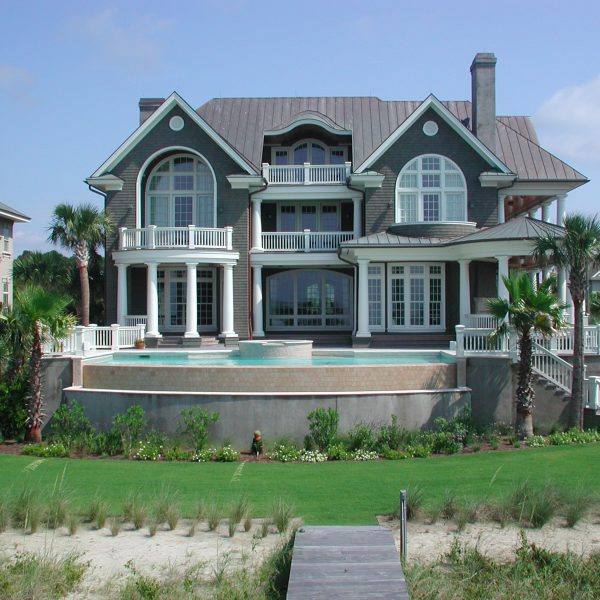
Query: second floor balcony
x: 306, y: 174
x: 191, y: 237
x: 304, y: 241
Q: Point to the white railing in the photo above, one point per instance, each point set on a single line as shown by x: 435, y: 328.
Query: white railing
x: 306, y: 174
x: 552, y: 367
x: 131, y: 320
x: 192, y: 237
x: 304, y: 241
x: 481, y: 321
x: 563, y: 341
x: 81, y: 340
x: 471, y: 341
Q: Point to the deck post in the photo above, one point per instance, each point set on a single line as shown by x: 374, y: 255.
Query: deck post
x: 460, y: 340
x: 256, y: 224
x: 121, y: 293
x: 191, y: 306
x: 228, y: 330
x: 403, y: 528
x: 152, y: 300
x: 465, y: 290
x: 257, y: 302
x: 114, y: 337
x: 363, y: 298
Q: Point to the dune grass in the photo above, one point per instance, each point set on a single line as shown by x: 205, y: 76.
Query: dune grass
x: 326, y: 493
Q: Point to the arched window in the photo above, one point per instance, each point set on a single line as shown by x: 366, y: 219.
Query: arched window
x: 431, y: 188
x: 181, y: 192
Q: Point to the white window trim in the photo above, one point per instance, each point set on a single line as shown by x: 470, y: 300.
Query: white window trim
x: 422, y: 191
x: 381, y: 277
x: 309, y: 141
x: 298, y: 215
x: 427, y: 276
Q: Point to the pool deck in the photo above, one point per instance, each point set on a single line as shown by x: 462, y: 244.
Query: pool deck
x: 346, y: 562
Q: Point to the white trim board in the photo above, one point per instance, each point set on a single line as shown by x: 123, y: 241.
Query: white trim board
x: 432, y: 102
x: 173, y: 100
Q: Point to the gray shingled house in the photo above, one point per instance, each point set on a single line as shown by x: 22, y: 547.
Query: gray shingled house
x: 388, y: 222
x: 8, y: 217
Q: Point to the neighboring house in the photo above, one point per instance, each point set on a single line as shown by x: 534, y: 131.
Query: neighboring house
x: 8, y: 217
x: 387, y: 221
x: 595, y: 282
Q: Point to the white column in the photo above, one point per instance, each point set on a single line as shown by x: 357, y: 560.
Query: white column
x: 502, y: 272
x: 465, y: 291
x: 562, y: 285
x: 363, y: 298
x: 152, y: 300
x: 257, y: 302
x: 357, y: 202
x: 546, y: 211
x: 561, y: 210
x: 191, y: 314
x: 228, y: 300
x: 256, y: 224
x: 121, y: 293
x: 501, y: 215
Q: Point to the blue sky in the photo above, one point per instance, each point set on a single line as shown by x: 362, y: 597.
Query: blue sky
x: 71, y: 73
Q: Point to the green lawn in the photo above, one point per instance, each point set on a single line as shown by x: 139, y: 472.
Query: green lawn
x: 327, y: 493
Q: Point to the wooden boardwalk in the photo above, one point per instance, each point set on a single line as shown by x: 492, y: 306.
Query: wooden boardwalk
x: 349, y: 563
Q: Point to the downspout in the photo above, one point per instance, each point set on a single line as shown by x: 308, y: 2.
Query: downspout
x: 250, y: 194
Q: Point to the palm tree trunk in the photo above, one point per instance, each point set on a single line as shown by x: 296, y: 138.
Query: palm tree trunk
x: 33, y: 431
x: 82, y: 260
x: 525, y: 393
x: 577, y: 403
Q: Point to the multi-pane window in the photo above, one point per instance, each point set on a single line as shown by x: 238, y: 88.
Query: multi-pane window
x: 5, y: 298
x: 181, y: 192
x: 310, y: 151
x: 431, y: 188
x: 375, y: 292
x: 415, y: 296
x: 316, y: 217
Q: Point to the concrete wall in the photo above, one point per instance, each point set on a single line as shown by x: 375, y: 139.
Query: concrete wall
x: 274, y: 415
x: 57, y: 374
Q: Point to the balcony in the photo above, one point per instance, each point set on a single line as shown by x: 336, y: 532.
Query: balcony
x: 191, y: 237
x: 304, y: 241
x: 306, y: 174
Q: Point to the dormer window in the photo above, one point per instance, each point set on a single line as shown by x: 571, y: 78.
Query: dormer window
x: 431, y: 188
x: 308, y: 151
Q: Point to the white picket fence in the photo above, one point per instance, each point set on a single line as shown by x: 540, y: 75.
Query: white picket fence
x: 82, y: 340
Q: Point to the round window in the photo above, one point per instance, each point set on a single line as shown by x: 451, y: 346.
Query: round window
x: 430, y: 128
x: 176, y: 123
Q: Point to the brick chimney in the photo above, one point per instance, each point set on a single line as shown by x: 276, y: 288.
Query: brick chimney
x: 148, y: 106
x: 483, y: 97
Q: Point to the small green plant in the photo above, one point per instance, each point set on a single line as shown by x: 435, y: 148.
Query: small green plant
x: 542, y: 506
x: 69, y: 423
x: 493, y: 441
x: 323, y: 425
x: 151, y: 448
x: 362, y: 437
x: 281, y: 514
x: 213, y: 516
x: 115, y: 526
x: 55, y: 450
x: 264, y: 528
x: 196, y: 421
x: 227, y: 454
x: 337, y: 452
x: 165, y: 505
x: 312, y: 456
x: 130, y: 425
x: 97, y: 512
x: 28, y: 510
x: 285, y: 452
x: 192, y: 528
x: 576, y: 505
x: 415, y: 496
x: 536, y: 441
x: 73, y: 522
x: 247, y: 522
x: 172, y: 516
x: 4, y: 514
x: 58, y: 507
x: 449, y: 505
x: 153, y: 527
x: 204, y: 455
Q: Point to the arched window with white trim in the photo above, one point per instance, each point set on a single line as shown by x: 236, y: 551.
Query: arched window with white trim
x: 181, y: 192
x: 431, y: 188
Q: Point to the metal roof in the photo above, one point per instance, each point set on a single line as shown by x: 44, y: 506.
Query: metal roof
x: 4, y: 208
x: 519, y: 228
x: 243, y: 121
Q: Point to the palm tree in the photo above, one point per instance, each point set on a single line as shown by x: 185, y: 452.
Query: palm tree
x: 576, y: 251
x: 80, y: 229
x: 528, y: 310
x: 38, y: 314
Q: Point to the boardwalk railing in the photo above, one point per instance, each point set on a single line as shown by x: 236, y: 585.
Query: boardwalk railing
x: 191, y: 237
x: 306, y: 174
x: 81, y: 340
x: 551, y: 367
x: 304, y: 241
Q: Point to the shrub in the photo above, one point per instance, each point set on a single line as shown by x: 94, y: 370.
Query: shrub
x: 176, y: 453
x: 323, y: 425
x: 360, y: 455
x: 390, y: 454
x: 445, y: 443
x: 107, y: 443
x: 362, y: 437
x: 337, y: 452
x: 70, y: 423
x: 536, y: 441
x: 227, y: 454
x: 418, y: 451
x: 55, y: 450
x: 151, y: 448
x: 195, y: 425
x: 312, y: 456
x: 391, y: 436
x: 130, y: 425
x: 285, y: 452
x: 576, y: 504
x: 415, y: 496
x: 13, y: 414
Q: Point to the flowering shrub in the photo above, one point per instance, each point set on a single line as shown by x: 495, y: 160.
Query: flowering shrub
x: 148, y: 450
x: 364, y: 455
x: 176, y: 453
x: 337, y: 452
x: 391, y: 454
x: 536, y: 441
x: 573, y: 436
x: 227, y: 454
x: 55, y: 450
x: 418, y: 451
x: 204, y: 455
x: 285, y: 453
x: 312, y: 456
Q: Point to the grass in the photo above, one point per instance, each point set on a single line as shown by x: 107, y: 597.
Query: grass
x: 327, y: 493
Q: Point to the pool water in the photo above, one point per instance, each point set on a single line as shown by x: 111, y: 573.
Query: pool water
x: 192, y: 360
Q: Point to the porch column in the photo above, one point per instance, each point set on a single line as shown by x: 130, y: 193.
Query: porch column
x: 152, y: 300
x: 257, y: 302
x: 561, y: 210
x: 357, y: 219
x: 256, y: 224
x: 228, y: 300
x: 465, y: 291
x: 363, y: 298
x: 121, y: 293
x: 191, y: 314
x: 502, y: 272
x: 546, y: 211
x: 501, y: 214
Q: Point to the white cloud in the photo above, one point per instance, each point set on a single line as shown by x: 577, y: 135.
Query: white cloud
x: 569, y: 123
x: 15, y: 81
x: 121, y: 41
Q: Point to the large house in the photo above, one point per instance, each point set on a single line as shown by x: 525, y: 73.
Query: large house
x: 8, y: 217
x: 383, y: 221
